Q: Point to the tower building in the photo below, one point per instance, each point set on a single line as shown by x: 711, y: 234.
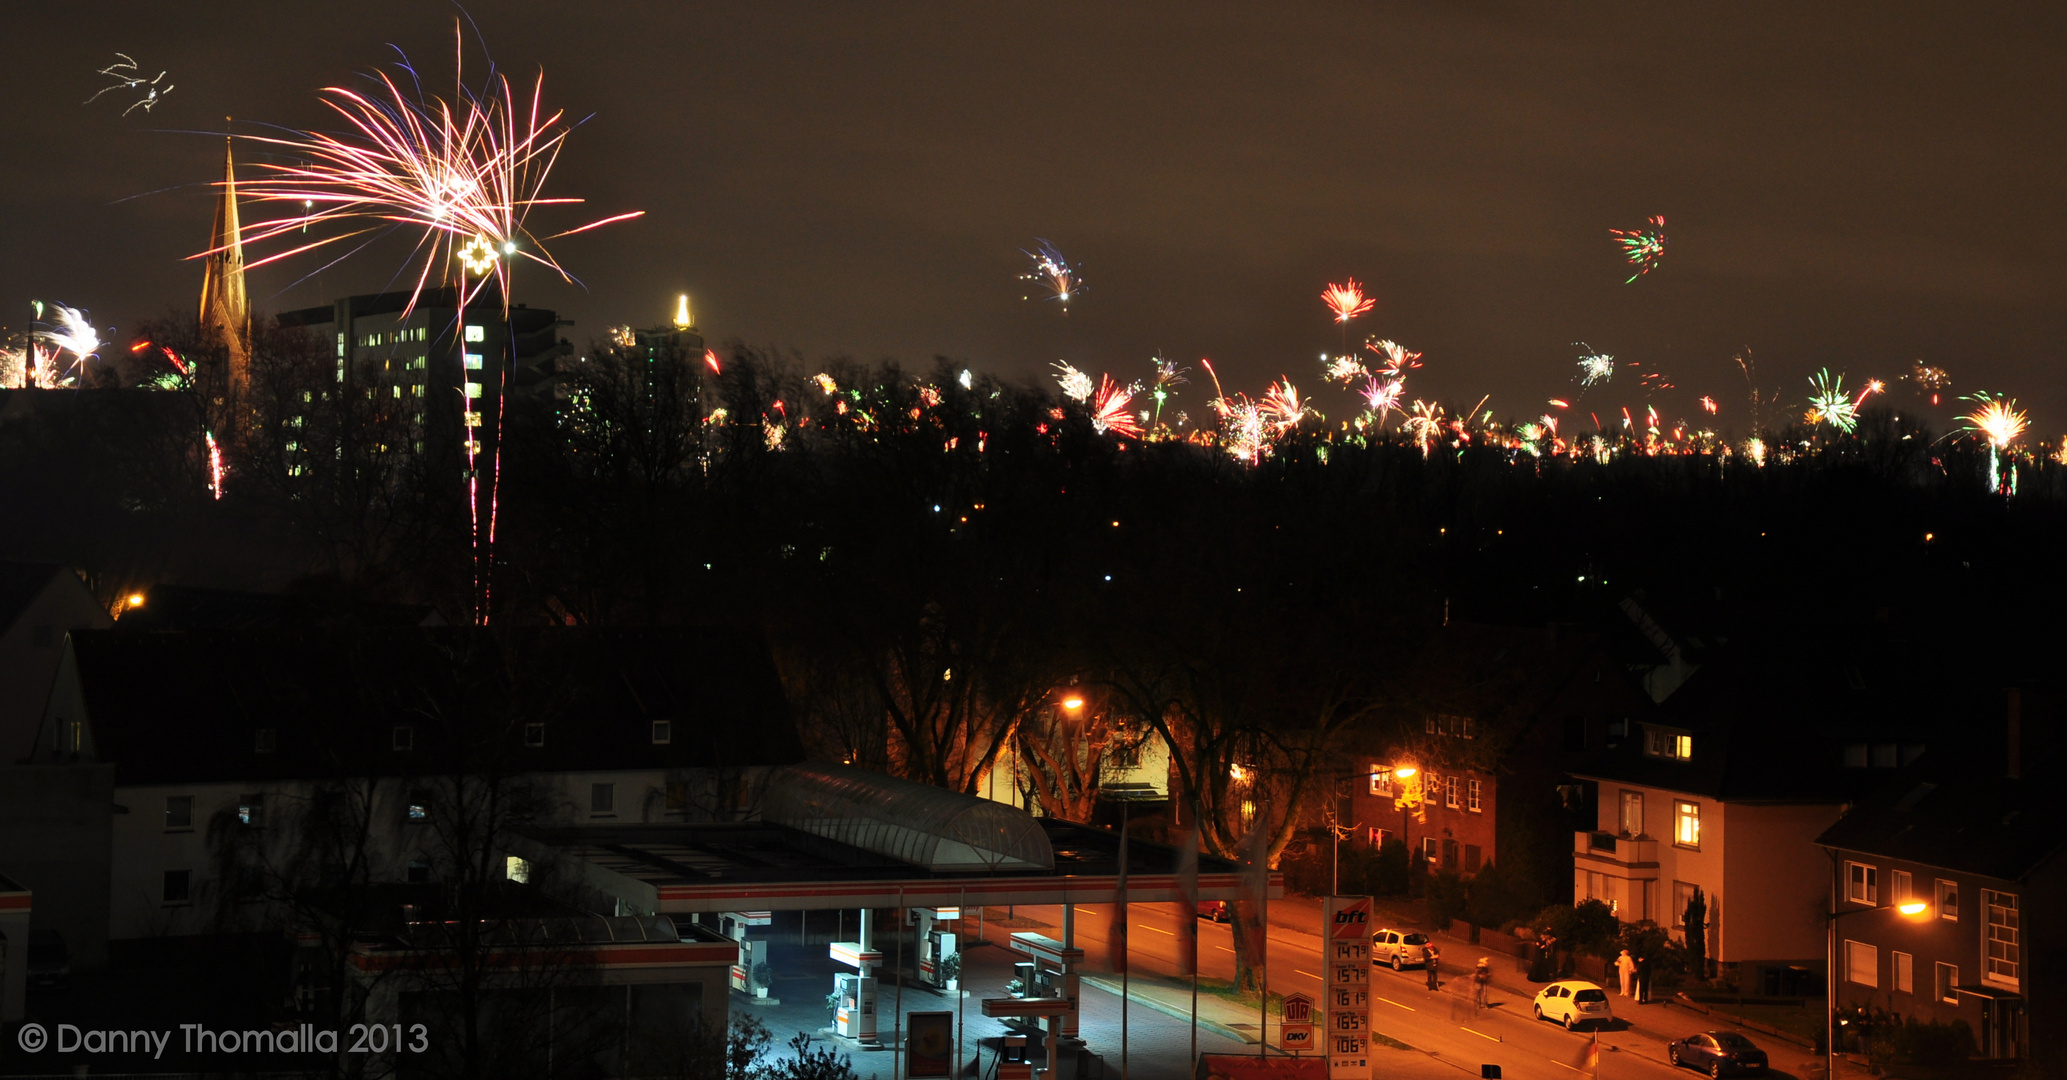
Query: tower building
x: 224, y: 308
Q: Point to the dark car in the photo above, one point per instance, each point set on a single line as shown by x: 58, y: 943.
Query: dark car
x: 1720, y: 1053
x: 50, y: 963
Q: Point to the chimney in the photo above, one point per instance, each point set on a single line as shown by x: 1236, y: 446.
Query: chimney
x: 2016, y: 732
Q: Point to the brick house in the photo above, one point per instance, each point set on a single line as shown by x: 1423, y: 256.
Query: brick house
x: 1494, y: 716
x: 1974, y: 838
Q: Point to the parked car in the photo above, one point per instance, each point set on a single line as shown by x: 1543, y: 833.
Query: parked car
x: 1400, y: 948
x: 1572, y: 1002
x: 50, y: 962
x: 1216, y: 911
x: 1719, y: 1053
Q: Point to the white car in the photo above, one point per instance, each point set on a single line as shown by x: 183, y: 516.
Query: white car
x: 1572, y: 1002
x: 1400, y: 948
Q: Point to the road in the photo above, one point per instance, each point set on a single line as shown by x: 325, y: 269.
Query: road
x: 1441, y: 1022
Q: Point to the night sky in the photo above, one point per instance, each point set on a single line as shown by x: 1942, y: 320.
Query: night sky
x: 1852, y: 185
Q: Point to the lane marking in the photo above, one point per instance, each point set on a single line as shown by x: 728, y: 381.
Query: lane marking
x: 1389, y: 1001
x: 1157, y: 929
x: 1088, y: 911
x: 1483, y: 1035
x: 1308, y: 974
x: 1562, y: 1065
x: 1223, y: 948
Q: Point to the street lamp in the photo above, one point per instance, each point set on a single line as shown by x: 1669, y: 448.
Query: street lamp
x: 1908, y: 909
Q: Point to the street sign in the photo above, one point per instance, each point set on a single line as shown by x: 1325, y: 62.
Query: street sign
x: 1295, y: 1030
x: 1347, y: 931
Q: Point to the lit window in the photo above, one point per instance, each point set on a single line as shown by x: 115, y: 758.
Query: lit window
x: 1668, y: 744
x: 1471, y: 800
x: 602, y: 798
x: 1862, y: 883
x: 1898, y: 887
x: 251, y: 811
x: 476, y: 333
x: 1686, y: 824
x: 179, y: 812
x: 473, y: 389
x: 1948, y: 983
x: 1948, y: 899
x: 1632, y: 822
x: 473, y: 361
x: 516, y: 869
x: 663, y: 732
x: 472, y: 419
x: 1862, y: 963
x: 1450, y: 792
x: 1902, y: 962
x: 419, y: 806
x: 2002, y: 939
x: 1381, y: 780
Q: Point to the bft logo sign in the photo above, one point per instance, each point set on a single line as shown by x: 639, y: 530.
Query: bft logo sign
x: 1348, y: 926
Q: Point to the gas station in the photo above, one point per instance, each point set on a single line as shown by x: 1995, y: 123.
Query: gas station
x: 834, y: 839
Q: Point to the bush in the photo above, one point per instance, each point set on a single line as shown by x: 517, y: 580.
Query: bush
x: 1589, y: 928
x: 1908, y: 1041
x: 1668, y: 958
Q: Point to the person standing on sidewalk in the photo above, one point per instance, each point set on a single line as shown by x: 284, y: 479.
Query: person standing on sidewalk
x: 1434, y: 974
x: 1625, y: 969
x: 1481, y: 977
x: 1643, y: 979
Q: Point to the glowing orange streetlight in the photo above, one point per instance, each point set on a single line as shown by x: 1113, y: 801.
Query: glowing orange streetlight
x: 1072, y: 703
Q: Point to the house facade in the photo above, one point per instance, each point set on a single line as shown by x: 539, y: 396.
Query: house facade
x: 1972, y: 841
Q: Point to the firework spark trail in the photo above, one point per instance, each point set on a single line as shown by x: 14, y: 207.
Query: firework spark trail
x: 1928, y: 380
x: 1245, y: 429
x: 1642, y: 246
x: 1398, y: 359
x: 1595, y: 367
x: 128, y: 76
x: 1075, y: 384
x: 1109, y: 408
x: 1343, y: 369
x: 1382, y: 397
x: 1168, y: 377
x: 1053, y: 272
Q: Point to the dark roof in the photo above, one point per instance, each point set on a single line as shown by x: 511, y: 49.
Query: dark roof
x: 1502, y: 676
x: 20, y: 584
x: 1770, y: 721
x: 185, y: 706
x: 1962, y: 812
x: 186, y: 607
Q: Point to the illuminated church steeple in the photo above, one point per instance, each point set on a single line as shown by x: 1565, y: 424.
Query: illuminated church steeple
x: 224, y: 308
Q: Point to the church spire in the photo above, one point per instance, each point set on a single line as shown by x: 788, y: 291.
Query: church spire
x: 223, y: 305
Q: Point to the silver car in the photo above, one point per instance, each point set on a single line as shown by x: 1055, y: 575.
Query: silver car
x: 1400, y: 948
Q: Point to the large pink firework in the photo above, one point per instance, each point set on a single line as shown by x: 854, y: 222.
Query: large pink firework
x: 462, y: 175
x: 1109, y: 408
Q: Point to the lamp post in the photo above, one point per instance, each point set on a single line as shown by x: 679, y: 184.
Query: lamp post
x: 1908, y: 909
x: 1407, y: 799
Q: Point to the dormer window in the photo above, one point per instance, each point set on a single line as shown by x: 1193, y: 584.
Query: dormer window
x: 1659, y: 742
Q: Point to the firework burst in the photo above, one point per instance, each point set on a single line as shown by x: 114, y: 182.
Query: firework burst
x: 1109, y: 408
x: 1283, y: 408
x: 1830, y: 404
x: 1642, y: 246
x: 1347, y: 300
x: 458, y: 174
x: 1052, y: 272
x: 1075, y: 384
x: 1595, y: 367
x: 1998, y: 421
